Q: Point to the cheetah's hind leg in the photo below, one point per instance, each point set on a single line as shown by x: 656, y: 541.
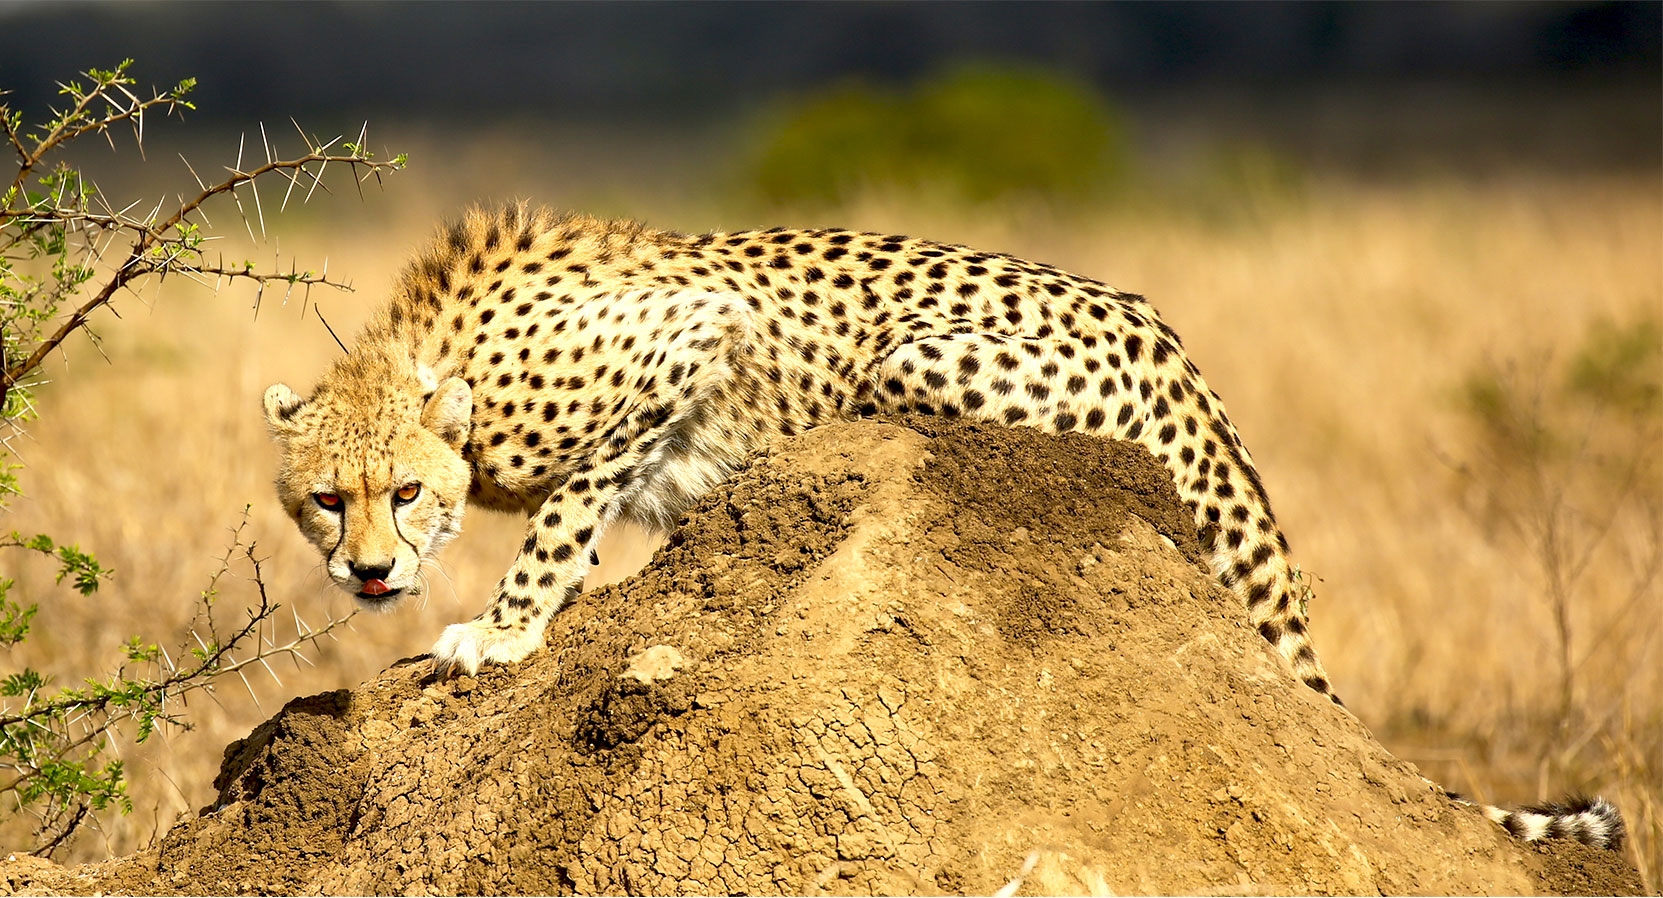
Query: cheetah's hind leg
x: 1062, y: 384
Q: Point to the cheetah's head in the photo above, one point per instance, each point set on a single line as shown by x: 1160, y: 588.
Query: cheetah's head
x: 372, y: 472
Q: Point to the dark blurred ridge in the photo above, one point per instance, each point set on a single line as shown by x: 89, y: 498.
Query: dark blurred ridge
x: 1376, y: 89
x: 633, y: 59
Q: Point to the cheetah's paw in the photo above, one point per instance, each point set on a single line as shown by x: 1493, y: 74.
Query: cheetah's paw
x: 464, y: 647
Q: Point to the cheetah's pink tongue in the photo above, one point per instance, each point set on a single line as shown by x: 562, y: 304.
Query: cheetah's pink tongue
x: 374, y: 588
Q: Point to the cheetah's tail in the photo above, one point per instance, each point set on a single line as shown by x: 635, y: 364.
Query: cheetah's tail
x: 1591, y: 821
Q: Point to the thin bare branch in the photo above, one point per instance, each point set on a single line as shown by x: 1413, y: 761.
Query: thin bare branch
x: 150, y: 233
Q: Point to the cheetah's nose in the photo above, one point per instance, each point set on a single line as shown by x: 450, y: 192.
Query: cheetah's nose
x: 370, y: 572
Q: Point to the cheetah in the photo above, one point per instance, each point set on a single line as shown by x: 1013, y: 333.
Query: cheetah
x: 584, y: 372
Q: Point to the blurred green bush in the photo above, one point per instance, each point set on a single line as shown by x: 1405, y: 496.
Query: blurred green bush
x: 972, y: 133
x: 1567, y: 476
x: 1613, y: 381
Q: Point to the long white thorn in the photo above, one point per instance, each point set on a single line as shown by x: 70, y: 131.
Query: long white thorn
x: 236, y: 173
x: 192, y: 170
x: 287, y: 191
x: 262, y: 660
x: 255, y: 186
x: 310, y: 145
x: 250, y: 689
x: 317, y: 179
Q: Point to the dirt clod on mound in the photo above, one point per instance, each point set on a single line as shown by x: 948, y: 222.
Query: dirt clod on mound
x: 914, y: 657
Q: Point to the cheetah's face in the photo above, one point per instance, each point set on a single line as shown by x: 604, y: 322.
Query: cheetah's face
x: 376, y: 486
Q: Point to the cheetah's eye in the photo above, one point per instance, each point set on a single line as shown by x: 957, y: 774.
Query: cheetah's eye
x: 330, y: 501
x: 407, y: 493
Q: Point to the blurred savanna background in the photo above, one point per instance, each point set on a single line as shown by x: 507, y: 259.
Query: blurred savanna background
x: 1418, y: 249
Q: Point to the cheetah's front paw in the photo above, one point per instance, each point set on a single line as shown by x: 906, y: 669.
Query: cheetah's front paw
x: 465, y: 646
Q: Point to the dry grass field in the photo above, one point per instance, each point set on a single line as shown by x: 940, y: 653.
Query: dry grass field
x: 1499, y: 622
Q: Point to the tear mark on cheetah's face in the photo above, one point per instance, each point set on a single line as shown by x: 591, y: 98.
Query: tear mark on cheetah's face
x: 376, y: 482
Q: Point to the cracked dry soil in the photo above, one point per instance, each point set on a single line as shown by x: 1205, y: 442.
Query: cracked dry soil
x: 889, y: 657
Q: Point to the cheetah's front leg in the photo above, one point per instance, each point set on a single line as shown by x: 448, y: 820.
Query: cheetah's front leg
x: 695, y: 362
x: 549, y: 569
x: 545, y: 576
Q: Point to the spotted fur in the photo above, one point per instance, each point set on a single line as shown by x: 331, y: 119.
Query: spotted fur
x: 619, y: 372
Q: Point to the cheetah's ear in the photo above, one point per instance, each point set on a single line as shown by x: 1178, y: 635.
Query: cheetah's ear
x: 449, y: 412
x: 281, y: 405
